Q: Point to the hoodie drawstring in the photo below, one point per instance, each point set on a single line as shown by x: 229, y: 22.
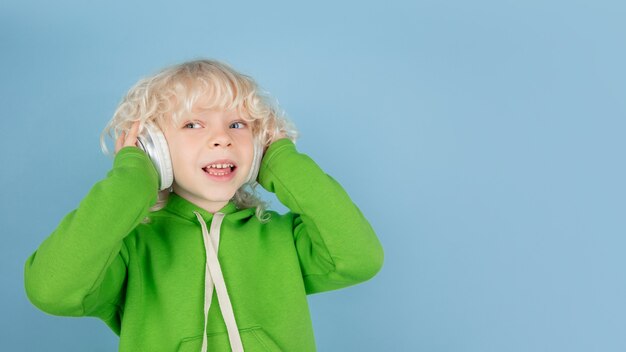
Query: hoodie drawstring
x: 213, y: 275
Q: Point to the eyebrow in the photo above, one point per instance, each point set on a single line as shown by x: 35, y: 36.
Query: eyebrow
x: 198, y: 115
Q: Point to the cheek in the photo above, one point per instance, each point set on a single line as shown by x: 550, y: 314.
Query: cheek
x: 180, y: 154
x: 247, y: 150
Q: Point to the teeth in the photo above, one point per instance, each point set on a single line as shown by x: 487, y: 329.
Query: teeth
x: 218, y: 173
x: 219, y: 166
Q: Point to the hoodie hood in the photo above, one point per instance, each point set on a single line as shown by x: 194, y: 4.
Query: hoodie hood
x: 185, y: 209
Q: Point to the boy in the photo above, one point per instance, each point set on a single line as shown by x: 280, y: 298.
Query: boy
x: 143, y: 260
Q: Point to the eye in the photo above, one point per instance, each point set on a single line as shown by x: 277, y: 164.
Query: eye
x: 238, y: 124
x: 192, y: 125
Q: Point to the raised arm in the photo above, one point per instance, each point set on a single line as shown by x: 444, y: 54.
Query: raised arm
x: 336, y: 245
x: 81, y: 267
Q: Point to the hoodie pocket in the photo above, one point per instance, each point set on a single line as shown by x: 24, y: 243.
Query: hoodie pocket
x: 253, y: 339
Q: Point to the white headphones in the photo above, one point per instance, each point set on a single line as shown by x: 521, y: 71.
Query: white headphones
x: 152, y: 141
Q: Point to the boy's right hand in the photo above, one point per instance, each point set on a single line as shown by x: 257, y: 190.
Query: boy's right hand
x: 127, y: 140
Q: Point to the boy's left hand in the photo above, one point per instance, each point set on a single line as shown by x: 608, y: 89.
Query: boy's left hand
x: 279, y: 135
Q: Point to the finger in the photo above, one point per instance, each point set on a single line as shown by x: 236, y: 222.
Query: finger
x: 131, y: 138
x: 134, y: 130
x: 119, y: 143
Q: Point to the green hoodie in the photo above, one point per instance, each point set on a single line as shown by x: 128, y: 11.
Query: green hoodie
x: 147, y: 280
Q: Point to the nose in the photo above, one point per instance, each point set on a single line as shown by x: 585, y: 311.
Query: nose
x: 220, y: 138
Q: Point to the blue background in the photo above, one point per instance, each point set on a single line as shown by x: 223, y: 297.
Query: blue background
x: 484, y: 140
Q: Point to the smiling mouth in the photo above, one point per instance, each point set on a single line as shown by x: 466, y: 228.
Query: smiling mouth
x: 219, y: 169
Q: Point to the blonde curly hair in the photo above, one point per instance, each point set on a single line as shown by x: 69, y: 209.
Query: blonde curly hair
x: 169, y: 95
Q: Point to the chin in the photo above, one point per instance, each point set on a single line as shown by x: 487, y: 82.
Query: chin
x: 219, y: 197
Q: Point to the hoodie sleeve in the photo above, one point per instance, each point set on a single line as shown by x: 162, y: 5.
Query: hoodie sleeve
x: 336, y: 245
x: 80, y: 268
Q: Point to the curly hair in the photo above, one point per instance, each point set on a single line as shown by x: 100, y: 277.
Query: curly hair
x: 169, y: 95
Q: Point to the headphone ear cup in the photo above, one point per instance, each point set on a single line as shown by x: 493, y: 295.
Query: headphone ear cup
x: 152, y: 141
x: 256, y: 162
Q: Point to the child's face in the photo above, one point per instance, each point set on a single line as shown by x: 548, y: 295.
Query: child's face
x: 204, y: 138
